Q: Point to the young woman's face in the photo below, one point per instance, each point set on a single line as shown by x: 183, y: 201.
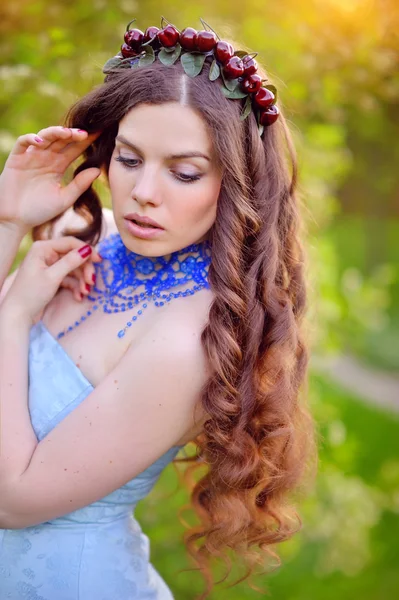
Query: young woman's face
x: 145, y: 177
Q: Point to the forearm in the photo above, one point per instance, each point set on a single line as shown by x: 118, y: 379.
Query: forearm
x: 17, y: 437
x: 10, y: 240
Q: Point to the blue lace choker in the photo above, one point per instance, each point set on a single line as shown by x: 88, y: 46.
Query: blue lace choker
x: 123, y: 272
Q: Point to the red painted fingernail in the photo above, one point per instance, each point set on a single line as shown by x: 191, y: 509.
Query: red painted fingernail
x: 82, y: 130
x: 38, y: 139
x: 94, y: 277
x: 85, y: 251
x: 87, y: 287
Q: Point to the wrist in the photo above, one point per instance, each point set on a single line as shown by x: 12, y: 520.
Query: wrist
x: 14, y: 230
x: 11, y: 316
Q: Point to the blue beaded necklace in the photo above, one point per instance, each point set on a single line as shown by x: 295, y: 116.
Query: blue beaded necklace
x: 123, y: 271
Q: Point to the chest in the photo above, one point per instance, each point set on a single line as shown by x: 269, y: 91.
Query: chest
x: 94, y: 345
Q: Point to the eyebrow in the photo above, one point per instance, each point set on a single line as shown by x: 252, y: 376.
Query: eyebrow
x: 193, y: 154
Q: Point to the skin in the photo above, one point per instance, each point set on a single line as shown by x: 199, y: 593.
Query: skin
x: 148, y: 184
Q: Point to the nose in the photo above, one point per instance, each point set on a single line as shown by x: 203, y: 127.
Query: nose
x: 145, y: 189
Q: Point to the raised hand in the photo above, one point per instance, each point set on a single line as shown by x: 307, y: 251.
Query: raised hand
x: 31, y: 192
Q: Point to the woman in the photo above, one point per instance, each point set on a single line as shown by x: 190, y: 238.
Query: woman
x: 199, y: 337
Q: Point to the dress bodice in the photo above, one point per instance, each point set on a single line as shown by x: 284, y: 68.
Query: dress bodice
x: 56, y: 387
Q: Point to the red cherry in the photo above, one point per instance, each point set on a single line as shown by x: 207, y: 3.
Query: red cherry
x: 252, y: 83
x: 206, y: 40
x: 168, y: 36
x: 233, y: 68
x: 250, y: 65
x: 264, y: 97
x: 134, y: 38
x: 127, y: 51
x: 188, y: 38
x: 223, y: 51
x: 270, y: 115
x: 150, y: 33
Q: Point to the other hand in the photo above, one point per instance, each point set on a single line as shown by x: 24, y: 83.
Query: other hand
x: 45, y: 267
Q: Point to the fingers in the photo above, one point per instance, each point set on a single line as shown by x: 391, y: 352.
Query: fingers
x: 74, y: 254
x: 71, y: 283
x: 85, y: 275
x: 24, y: 141
x: 59, y: 137
x: 71, y: 141
x: 73, y: 150
x: 81, y: 280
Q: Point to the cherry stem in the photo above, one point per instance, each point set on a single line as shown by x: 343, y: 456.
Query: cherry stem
x: 205, y: 24
x: 128, y: 25
x: 166, y: 20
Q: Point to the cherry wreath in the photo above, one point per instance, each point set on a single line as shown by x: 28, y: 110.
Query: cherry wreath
x: 236, y: 68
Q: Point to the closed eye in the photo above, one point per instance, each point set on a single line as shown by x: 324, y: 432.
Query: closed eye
x: 131, y: 163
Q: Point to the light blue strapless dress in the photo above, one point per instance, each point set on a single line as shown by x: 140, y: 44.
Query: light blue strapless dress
x: 98, y: 552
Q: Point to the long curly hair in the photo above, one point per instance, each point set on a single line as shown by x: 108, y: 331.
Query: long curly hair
x: 258, y: 446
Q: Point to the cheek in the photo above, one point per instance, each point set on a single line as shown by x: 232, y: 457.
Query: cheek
x: 118, y: 181
x: 199, y: 206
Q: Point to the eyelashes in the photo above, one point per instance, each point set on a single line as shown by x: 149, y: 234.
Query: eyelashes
x: 127, y: 163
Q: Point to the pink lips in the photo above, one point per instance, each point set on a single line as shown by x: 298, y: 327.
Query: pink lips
x: 140, y: 219
x: 145, y: 233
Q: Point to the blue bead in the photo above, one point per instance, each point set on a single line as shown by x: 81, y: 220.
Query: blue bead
x: 121, y: 333
x: 129, y: 323
x: 144, y: 306
x: 134, y: 318
x: 140, y: 312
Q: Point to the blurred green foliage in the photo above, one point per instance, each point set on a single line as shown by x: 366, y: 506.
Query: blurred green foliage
x: 334, y: 63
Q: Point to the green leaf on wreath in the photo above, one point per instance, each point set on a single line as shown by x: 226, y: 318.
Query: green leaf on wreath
x: 214, y: 71
x: 231, y: 84
x: 247, y: 108
x: 148, y: 57
x: 169, y: 58
x: 111, y: 63
x: 172, y: 49
x: 233, y: 94
x: 273, y: 89
x: 192, y: 63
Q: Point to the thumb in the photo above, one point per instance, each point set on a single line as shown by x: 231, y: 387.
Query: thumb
x: 79, y: 184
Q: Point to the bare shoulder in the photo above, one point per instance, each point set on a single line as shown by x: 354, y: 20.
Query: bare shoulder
x: 177, y: 339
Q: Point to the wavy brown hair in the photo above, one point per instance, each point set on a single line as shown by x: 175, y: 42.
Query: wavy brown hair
x: 258, y: 443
